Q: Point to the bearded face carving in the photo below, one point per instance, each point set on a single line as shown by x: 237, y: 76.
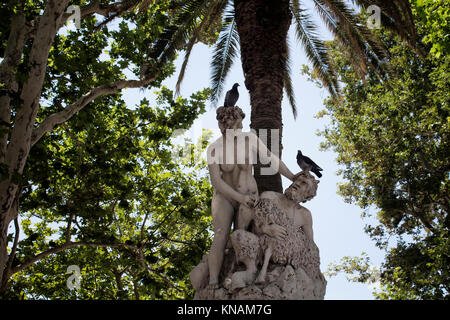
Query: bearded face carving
x: 303, y: 188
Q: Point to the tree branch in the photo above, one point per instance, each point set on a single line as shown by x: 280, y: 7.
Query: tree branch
x: 147, y: 213
x: 19, y: 142
x: 118, y: 277
x: 13, y: 52
x: 163, y: 221
x: 109, y: 11
x: 59, y: 117
x: 69, y: 227
x: 177, y: 241
x: 12, y: 57
x: 7, y: 271
x: 167, y: 281
x: 66, y: 246
x: 135, y: 289
x: 94, y: 7
x: 15, y: 215
x: 427, y: 224
x: 146, y: 267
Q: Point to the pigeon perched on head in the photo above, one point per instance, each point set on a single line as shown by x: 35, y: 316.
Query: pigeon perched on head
x: 232, y: 96
x: 306, y: 164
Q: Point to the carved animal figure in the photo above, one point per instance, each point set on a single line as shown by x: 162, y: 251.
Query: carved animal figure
x: 295, y: 249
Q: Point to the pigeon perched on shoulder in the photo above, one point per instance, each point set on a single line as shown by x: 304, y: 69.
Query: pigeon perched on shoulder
x: 306, y: 164
x: 232, y: 96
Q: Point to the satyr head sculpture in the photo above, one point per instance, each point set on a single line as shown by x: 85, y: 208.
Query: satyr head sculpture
x: 229, y: 118
x: 303, y: 188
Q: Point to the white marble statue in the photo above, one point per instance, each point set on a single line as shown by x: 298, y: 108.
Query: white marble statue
x: 230, y: 164
x: 271, y: 253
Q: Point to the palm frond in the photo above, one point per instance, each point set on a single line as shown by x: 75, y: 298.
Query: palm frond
x: 288, y: 88
x: 398, y: 12
x: 333, y: 25
x: 397, y: 17
x: 351, y: 21
x: 187, y: 55
x: 225, y: 51
x: 213, y: 13
x: 359, y: 43
x: 174, y: 37
x: 315, y: 49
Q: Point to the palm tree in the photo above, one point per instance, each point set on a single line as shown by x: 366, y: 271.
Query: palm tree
x: 260, y: 29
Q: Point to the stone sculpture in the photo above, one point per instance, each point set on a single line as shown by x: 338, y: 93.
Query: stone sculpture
x: 271, y: 253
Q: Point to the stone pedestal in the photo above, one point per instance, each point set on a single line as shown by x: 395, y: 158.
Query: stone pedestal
x: 293, y: 268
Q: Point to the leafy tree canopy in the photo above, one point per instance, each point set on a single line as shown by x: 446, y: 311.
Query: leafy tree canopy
x: 104, y: 190
x: 392, y: 139
x: 435, y: 15
x: 106, y: 193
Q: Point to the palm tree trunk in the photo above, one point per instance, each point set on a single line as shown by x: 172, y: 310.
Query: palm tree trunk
x: 263, y: 26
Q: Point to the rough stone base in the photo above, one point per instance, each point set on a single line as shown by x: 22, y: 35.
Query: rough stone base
x: 282, y: 283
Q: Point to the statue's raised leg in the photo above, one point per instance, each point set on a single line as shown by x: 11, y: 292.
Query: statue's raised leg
x: 246, y: 247
x: 262, y: 274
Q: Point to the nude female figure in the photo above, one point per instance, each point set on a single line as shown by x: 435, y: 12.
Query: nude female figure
x: 230, y: 164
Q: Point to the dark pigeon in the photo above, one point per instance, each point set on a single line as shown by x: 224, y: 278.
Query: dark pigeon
x: 306, y: 164
x: 232, y: 96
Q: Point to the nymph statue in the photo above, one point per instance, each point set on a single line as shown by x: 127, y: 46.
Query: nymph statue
x: 230, y: 163
x: 270, y: 253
